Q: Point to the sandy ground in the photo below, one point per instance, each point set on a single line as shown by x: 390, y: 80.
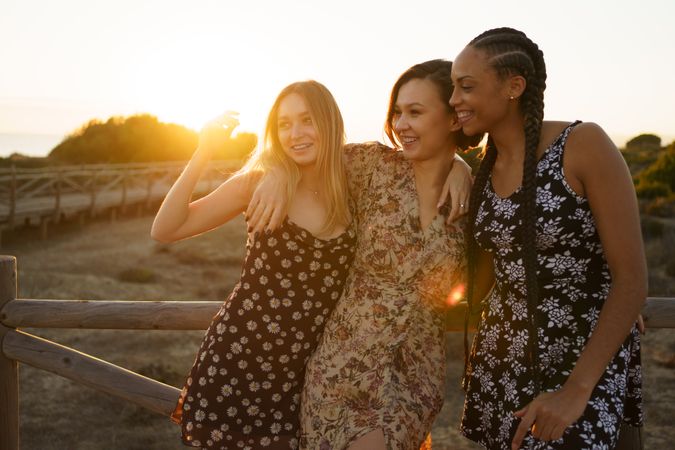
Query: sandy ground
x: 87, y: 263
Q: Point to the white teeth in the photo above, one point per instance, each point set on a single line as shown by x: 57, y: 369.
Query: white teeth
x: 301, y: 146
x: 407, y: 139
x: 463, y: 114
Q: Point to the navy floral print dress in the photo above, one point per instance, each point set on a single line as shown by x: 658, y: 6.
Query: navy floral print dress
x: 243, y: 391
x: 574, y: 281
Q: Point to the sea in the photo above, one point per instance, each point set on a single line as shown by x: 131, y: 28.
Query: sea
x: 28, y: 144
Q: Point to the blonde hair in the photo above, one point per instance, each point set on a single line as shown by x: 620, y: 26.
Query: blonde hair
x: 329, y: 125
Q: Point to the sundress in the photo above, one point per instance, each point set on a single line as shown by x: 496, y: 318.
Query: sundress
x: 243, y: 391
x: 574, y: 281
x: 380, y: 363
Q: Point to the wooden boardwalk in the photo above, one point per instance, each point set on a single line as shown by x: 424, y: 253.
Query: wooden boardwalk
x: 49, y: 195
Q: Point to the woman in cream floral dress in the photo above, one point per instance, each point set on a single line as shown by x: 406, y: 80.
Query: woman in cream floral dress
x: 377, y: 378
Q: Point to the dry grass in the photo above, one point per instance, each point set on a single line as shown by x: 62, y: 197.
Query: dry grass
x: 59, y: 414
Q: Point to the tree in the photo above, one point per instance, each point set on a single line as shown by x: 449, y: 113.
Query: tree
x: 662, y: 170
x: 644, y: 142
x: 139, y: 138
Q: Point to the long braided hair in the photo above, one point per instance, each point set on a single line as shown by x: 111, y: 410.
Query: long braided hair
x: 510, y: 52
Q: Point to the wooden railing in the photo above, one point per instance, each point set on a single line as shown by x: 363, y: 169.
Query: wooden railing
x: 47, y: 195
x: 20, y: 347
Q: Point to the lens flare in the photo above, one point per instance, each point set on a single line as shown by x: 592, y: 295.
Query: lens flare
x: 456, y: 295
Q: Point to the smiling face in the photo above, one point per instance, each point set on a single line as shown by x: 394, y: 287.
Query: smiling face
x: 481, y: 99
x: 296, y: 131
x: 422, y: 122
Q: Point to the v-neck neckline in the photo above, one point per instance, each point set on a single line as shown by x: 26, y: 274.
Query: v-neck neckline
x: 415, y: 213
x: 543, y: 156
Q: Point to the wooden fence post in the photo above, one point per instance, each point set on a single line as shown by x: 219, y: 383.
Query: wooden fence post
x: 9, y: 369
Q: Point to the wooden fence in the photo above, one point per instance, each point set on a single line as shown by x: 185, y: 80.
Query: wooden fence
x: 49, y: 195
x: 20, y: 347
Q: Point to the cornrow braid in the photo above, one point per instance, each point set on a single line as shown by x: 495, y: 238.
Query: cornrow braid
x: 511, y: 52
x: 482, y: 176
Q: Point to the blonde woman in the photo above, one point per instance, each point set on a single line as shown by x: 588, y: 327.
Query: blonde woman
x: 244, y: 388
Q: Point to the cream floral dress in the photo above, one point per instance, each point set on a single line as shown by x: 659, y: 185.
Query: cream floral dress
x: 381, y: 361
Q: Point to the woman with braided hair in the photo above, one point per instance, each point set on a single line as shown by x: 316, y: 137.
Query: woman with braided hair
x: 553, y: 217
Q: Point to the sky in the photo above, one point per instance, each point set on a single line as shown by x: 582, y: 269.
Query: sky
x: 65, y: 62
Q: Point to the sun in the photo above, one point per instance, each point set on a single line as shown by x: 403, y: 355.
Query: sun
x: 190, y: 82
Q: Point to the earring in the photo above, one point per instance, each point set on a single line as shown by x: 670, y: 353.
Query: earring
x: 511, y: 97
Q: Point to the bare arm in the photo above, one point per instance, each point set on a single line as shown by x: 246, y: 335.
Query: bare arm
x: 595, y: 168
x: 178, y: 218
x: 458, y: 187
x: 611, y: 195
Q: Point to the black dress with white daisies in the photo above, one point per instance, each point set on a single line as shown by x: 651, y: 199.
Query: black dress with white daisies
x: 574, y: 281
x: 243, y: 391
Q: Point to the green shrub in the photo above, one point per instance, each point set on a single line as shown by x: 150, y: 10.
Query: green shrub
x: 644, y: 142
x: 652, y: 189
x: 662, y: 170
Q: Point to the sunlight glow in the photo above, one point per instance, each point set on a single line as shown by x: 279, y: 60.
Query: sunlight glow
x: 456, y: 295
x: 191, y: 81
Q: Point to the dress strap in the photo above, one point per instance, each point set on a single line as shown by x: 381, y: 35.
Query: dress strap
x: 557, y: 147
x: 566, y: 132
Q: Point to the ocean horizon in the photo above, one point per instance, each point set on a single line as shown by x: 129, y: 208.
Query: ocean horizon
x: 29, y: 144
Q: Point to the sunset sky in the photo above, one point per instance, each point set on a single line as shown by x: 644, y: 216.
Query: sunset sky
x: 65, y: 62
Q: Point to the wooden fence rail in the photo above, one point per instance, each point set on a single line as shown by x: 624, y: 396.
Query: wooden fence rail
x: 47, y: 195
x: 93, y: 372
x: 18, y: 346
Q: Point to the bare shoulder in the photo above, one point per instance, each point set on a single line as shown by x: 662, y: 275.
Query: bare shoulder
x: 590, y: 155
x: 589, y: 143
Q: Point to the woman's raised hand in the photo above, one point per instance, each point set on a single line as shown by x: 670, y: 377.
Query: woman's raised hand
x: 217, y: 131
